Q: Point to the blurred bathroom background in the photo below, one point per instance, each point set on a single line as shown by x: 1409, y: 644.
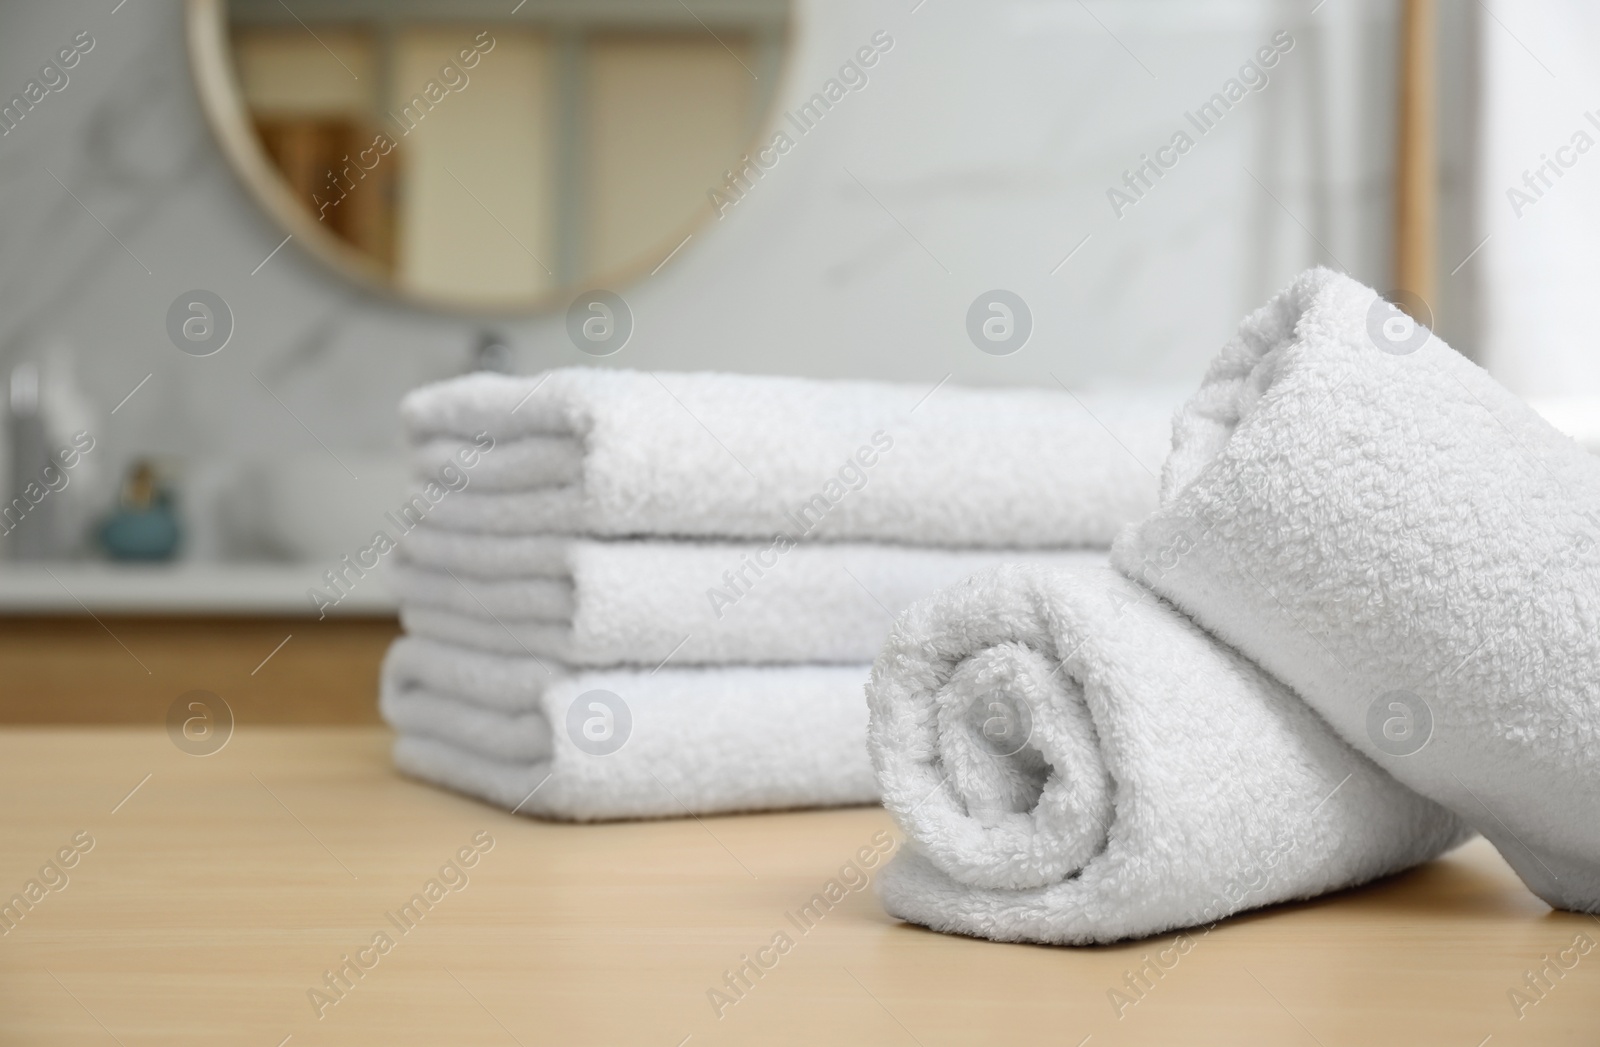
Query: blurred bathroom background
x: 993, y: 145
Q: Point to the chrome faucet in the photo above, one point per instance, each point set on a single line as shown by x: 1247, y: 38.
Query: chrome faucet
x: 491, y: 354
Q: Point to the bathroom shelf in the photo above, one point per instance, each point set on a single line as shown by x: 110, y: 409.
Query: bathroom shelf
x: 182, y: 589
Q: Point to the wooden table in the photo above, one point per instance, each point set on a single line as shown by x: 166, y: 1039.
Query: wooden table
x: 219, y: 891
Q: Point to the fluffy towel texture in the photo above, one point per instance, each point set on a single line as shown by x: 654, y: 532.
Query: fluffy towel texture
x: 1073, y: 761
x: 637, y: 602
x: 613, y: 453
x: 693, y: 741
x: 1413, y: 550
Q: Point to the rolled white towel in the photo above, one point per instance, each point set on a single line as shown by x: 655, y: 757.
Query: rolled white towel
x: 1577, y: 416
x: 615, y: 453
x: 592, y: 746
x: 1411, y: 548
x: 589, y: 602
x: 1073, y: 761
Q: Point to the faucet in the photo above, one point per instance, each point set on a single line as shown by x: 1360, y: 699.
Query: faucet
x: 491, y: 354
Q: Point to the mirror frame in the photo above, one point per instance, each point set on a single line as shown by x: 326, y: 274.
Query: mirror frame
x: 212, y: 69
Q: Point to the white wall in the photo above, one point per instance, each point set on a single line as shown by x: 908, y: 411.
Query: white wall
x: 978, y: 156
x: 1541, y: 262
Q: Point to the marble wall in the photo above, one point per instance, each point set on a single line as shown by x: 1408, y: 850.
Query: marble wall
x: 980, y: 156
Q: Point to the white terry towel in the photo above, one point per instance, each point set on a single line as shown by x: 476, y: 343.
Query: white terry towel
x: 1412, y: 549
x: 1073, y: 761
x: 617, y: 453
x: 601, y: 745
x: 589, y: 602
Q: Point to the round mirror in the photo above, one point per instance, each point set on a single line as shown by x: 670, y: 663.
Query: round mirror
x: 482, y: 155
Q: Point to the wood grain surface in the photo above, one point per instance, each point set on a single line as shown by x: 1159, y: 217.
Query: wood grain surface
x: 218, y: 892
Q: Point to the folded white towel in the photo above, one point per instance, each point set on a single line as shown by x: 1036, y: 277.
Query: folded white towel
x: 505, y: 685
x: 601, y: 745
x: 1412, y: 549
x: 638, y: 602
x: 516, y: 464
x: 619, y: 453
x: 417, y: 711
x: 1073, y: 761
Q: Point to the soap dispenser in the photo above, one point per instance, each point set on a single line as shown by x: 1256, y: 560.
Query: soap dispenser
x: 144, y: 526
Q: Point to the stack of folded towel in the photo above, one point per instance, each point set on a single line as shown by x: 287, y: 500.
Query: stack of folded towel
x: 1364, y: 618
x: 631, y: 595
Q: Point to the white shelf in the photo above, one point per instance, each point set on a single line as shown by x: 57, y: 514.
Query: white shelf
x: 181, y: 589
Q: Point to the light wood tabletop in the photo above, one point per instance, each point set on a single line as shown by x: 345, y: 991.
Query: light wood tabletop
x: 209, y: 900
